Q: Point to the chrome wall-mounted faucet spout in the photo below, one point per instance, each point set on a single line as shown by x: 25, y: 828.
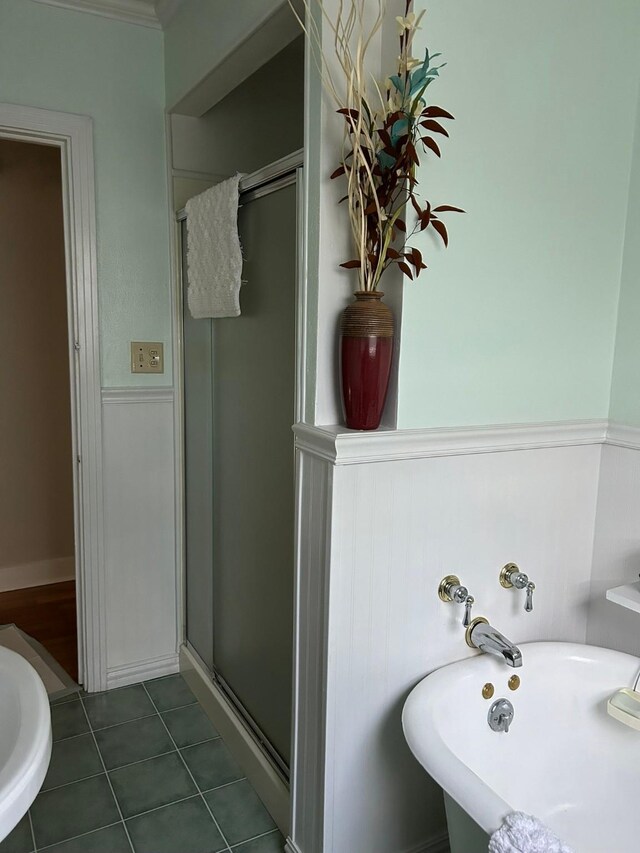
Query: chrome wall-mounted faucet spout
x: 484, y: 637
x: 511, y: 576
x: 451, y: 590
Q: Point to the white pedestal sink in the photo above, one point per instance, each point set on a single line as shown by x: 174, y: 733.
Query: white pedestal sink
x: 25, y: 737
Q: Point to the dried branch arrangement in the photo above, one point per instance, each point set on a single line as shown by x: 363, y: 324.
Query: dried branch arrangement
x: 386, y: 126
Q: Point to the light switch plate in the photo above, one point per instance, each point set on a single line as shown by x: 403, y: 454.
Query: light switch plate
x: 147, y: 357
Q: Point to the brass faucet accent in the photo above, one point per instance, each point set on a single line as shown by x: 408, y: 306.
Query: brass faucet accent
x: 511, y: 576
x: 451, y: 590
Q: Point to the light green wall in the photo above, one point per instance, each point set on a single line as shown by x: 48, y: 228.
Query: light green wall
x: 625, y: 390
x: 201, y: 33
x: 76, y: 62
x: 515, y: 322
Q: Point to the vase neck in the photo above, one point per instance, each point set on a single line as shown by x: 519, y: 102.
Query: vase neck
x: 368, y: 295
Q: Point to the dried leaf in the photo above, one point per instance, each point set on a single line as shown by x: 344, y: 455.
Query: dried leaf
x: 339, y: 171
x: 436, y: 112
x: 351, y: 265
x: 428, y: 142
x: 345, y: 111
x: 441, y: 228
x: 406, y: 269
x: 417, y: 259
x: 434, y: 126
x: 444, y: 207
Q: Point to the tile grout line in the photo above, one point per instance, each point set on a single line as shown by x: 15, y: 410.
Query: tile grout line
x: 134, y: 720
x: 163, y: 806
x: 202, y: 797
x: 75, y: 837
x: 33, y: 835
x: 237, y: 846
x: 113, y: 793
x: 131, y: 764
x: 106, y: 770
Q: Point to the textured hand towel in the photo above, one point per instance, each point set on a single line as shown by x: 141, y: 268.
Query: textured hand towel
x: 522, y: 833
x: 214, y: 258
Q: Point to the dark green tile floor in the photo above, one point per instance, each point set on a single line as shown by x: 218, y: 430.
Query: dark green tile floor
x: 141, y: 769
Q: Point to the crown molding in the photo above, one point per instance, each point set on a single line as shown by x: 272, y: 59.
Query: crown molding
x: 142, y: 12
x: 166, y: 9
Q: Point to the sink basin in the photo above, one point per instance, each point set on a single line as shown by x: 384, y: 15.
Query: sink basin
x: 25, y: 737
x: 564, y: 759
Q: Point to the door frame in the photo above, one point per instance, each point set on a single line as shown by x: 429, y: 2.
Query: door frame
x: 73, y: 135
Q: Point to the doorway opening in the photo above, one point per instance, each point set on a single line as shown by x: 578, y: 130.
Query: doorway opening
x: 72, y: 137
x: 38, y: 555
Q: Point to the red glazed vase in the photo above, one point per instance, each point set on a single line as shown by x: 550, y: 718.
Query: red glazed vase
x: 366, y: 349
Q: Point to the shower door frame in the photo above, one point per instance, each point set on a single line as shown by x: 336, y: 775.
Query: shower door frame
x: 73, y: 136
x: 270, y: 178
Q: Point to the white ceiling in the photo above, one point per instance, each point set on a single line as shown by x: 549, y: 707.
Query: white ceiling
x: 147, y: 13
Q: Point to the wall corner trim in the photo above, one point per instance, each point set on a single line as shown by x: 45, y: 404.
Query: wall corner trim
x: 340, y: 446
x: 622, y: 435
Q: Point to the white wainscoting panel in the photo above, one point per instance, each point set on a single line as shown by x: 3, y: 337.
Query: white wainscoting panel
x: 310, y: 654
x: 616, y: 552
x: 139, y: 496
x: 396, y: 528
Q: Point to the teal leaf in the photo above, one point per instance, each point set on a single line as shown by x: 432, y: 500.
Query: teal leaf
x: 399, y: 129
x: 386, y: 160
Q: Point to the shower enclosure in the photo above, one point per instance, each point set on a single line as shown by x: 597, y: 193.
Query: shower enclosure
x: 239, y: 406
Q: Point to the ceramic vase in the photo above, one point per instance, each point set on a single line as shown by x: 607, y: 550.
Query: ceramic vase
x: 366, y: 350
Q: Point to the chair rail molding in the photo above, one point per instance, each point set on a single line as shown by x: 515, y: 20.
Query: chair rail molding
x: 622, y: 435
x: 73, y: 135
x: 340, y: 446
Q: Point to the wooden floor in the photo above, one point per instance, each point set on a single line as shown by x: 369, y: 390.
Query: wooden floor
x: 48, y: 614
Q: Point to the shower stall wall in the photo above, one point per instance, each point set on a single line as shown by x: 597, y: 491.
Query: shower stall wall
x: 239, y: 406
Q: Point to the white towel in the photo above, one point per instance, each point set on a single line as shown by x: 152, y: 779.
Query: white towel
x: 522, y: 833
x: 214, y: 258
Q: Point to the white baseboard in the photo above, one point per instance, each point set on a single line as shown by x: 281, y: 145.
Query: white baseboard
x: 438, y: 844
x: 119, y: 676
x: 260, y: 772
x: 43, y: 572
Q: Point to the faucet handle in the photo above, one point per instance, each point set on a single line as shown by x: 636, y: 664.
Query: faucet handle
x: 451, y: 590
x: 528, y: 605
x: 511, y: 576
x: 468, y: 604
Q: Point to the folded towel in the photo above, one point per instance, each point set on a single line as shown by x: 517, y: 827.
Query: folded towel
x: 522, y: 833
x: 214, y: 258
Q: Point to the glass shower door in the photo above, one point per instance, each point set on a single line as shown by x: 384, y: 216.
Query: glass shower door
x: 253, y: 471
x: 243, y: 567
